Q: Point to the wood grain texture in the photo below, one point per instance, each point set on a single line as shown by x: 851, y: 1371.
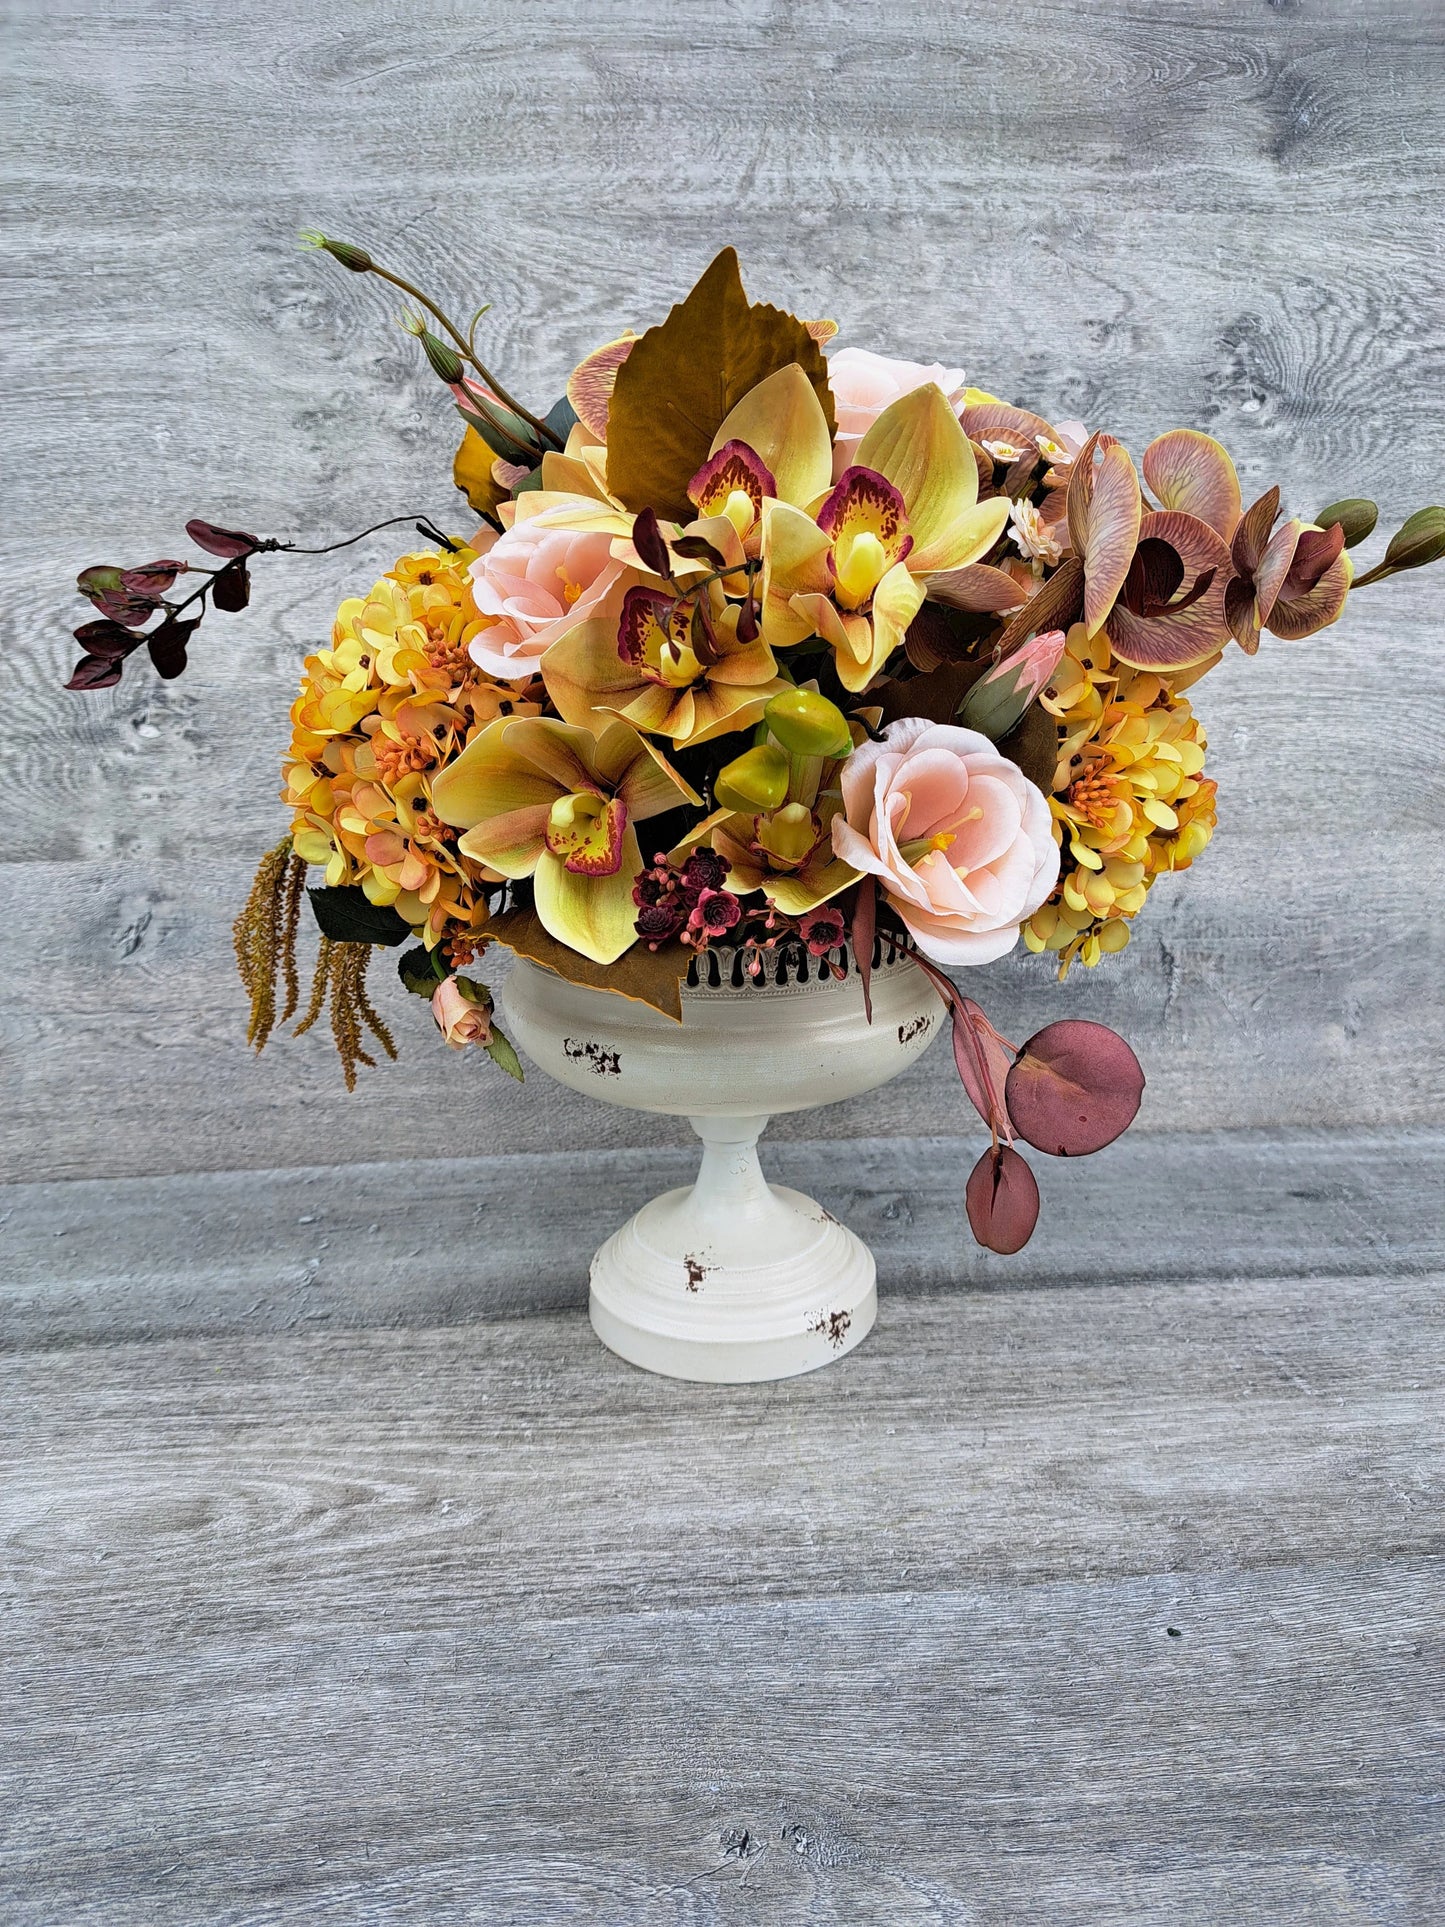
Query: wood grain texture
x: 480, y: 1624
x: 424, y: 1243
x: 332, y: 1590
x: 1226, y: 216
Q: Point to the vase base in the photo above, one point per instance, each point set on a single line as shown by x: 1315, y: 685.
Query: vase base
x: 795, y: 1291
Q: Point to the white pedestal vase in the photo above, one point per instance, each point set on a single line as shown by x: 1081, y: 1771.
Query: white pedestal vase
x: 732, y: 1279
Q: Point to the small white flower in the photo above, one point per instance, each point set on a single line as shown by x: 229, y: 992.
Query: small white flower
x: 1032, y: 534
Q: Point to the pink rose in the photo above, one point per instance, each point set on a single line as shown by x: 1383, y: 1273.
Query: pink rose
x: 863, y: 385
x: 958, y: 836
x: 540, y: 580
x: 460, y: 1021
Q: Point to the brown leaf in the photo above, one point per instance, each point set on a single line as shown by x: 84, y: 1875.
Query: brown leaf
x: 652, y: 977
x: 682, y: 379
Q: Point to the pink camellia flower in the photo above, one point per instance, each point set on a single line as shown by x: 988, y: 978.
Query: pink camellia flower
x: 460, y: 1021
x: 539, y: 580
x: 958, y: 836
x: 864, y: 384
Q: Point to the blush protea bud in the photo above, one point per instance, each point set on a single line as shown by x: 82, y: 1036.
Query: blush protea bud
x: 998, y: 701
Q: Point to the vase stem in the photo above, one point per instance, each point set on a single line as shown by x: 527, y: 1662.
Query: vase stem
x: 730, y: 1186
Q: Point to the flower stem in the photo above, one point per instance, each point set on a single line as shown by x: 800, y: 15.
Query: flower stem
x: 465, y: 346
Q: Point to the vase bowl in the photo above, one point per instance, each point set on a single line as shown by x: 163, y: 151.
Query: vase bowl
x: 730, y: 1279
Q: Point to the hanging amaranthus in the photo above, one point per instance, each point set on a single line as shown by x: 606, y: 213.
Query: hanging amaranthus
x: 265, y: 939
x: 340, y: 976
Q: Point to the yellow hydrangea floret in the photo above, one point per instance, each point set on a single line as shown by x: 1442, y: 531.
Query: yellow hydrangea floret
x: 1130, y: 799
x: 393, y: 701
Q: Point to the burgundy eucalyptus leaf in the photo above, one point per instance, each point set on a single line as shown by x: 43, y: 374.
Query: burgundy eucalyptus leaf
x: 230, y: 543
x: 100, y: 579
x: 132, y: 611
x: 1002, y: 1198
x: 231, y: 589
x: 1073, y: 1088
x: 95, y: 672
x: 748, y: 622
x: 648, y: 542
x: 152, y: 578
x: 865, y: 922
x: 108, y: 640
x: 168, y: 646
x: 983, y: 1062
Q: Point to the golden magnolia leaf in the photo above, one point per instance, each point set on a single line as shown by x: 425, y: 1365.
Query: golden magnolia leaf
x: 652, y: 977
x: 682, y: 379
x: 472, y: 473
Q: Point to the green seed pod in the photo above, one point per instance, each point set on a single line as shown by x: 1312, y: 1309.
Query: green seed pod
x: 808, y: 724
x: 756, y: 780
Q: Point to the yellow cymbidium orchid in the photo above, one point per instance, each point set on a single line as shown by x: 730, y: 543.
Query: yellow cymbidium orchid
x: 547, y: 800
x: 855, y: 567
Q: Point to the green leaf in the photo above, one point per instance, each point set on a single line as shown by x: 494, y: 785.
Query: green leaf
x: 561, y: 418
x: 344, y: 913
x: 501, y: 1052
x: 421, y: 970
x: 683, y: 378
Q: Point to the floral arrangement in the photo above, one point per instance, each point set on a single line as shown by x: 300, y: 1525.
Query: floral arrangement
x: 768, y: 649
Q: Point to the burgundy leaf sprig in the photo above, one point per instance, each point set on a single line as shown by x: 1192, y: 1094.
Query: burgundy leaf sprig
x: 1070, y: 1090
x: 129, y: 600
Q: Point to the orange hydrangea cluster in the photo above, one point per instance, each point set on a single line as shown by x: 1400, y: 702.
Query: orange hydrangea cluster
x: 1130, y: 800
x: 392, y: 702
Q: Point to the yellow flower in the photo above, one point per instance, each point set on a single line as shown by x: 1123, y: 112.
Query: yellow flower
x: 1130, y: 800
x: 381, y: 713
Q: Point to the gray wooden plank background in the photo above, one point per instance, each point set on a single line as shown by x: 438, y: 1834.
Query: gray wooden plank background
x: 343, y: 1578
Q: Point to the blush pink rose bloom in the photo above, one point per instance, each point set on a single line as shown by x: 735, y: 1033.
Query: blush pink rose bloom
x: 864, y: 384
x: 540, y: 581
x: 460, y: 1021
x: 959, y: 838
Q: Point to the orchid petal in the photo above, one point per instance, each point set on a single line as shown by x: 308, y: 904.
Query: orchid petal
x: 978, y: 590
x: 719, y: 709
x: 1294, y: 617
x: 796, y: 895
x: 783, y: 422
x: 489, y: 777
x: 1274, y: 566
x: 1194, y: 474
x: 512, y: 842
x: 918, y: 445
x: 591, y: 914
x: 1172, y: 639
x: 560, y: 751
x: 586, y: 678
x: 1104, y: 508
x: 795, y: 562
x: 972, y: 535
x: 645, y: 780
